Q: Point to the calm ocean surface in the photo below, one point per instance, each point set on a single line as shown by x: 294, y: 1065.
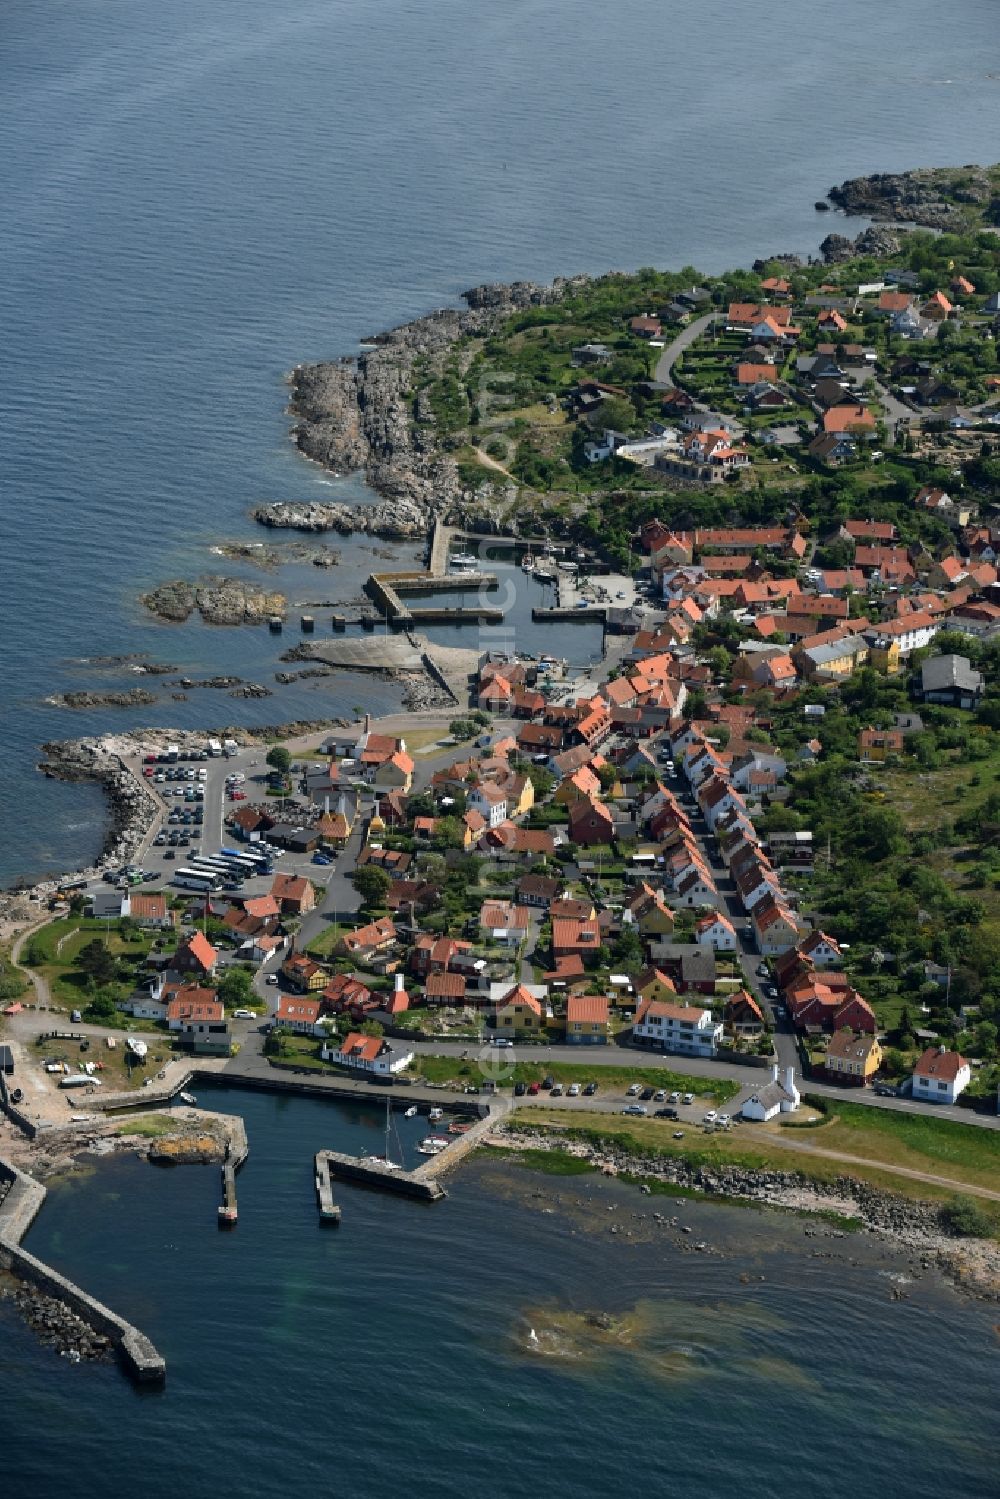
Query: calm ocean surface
x: 195, y: 198
x: 395, y: 1354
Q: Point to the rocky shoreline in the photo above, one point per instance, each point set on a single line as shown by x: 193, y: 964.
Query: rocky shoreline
x: 973, y: 1264
x: 936, y: 197
x: 359, y: 416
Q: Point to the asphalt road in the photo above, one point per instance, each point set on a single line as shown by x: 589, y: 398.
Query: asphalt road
x: 676, y: 347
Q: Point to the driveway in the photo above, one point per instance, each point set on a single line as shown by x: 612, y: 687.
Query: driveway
x: 676, y: 347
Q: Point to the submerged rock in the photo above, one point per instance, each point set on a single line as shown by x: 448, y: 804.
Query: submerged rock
x: 219, y: 601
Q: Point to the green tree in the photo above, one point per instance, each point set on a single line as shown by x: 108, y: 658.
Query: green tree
x: 462, y: 728
x: 279, y: 759
x: 97, y: 962
x: 236, y: 988
x: 372, y: 884
x: 618, y: 413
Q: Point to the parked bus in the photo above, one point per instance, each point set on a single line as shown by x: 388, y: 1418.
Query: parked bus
x: 205, y: 880
x: 211, y: 864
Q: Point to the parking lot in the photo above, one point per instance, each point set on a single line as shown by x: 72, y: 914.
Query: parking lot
x: 195, y: 793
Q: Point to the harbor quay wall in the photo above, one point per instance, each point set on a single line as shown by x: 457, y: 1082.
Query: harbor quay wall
x: 374, y: 1174
x: 19, y: 1120
x: 19, y: 1207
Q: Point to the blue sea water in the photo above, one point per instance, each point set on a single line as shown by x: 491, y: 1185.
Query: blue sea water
x: 438, y: 1348
x: 196, y: 198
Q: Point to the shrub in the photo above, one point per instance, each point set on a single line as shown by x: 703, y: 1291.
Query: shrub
x: 966, y: 1219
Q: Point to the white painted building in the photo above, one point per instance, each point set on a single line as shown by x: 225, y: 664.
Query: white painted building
x: 775, y: 1097
x: 940, y: 1076
x: 684, y: 1029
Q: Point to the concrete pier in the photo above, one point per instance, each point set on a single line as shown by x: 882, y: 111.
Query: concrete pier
x: 372, y: 1173
x: 237, y: 1151
x: 329, y: 1211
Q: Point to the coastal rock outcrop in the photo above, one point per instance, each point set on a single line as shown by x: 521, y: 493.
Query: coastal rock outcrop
x: 935, y: 197
x: 403, y: 520
x: 134, y: 697
x: 360, y: 415
x: 219, y: 601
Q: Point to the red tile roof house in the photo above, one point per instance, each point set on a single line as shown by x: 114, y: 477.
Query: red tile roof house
x: 294, y: 893
x: 501, y: 921
x: 192, y: 1004
x: 371, y: 1054
x: 590, y: 823
x: 196, y: 955
x: 743, y: 1015
x: 300, y: 1015
x: 940, y: 1076
x: 366, y: 942
x: 587, y: 1020
x: 343, y: 992
x: 575, y: 938
x: 445, y: 989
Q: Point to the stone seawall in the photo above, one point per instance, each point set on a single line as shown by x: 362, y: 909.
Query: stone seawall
x: 19, y: 1207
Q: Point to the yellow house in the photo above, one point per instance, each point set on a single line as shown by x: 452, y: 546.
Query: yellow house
x: 573, y: 788
x: 652, y: 914
x: 520, y: 797
x: 518, y: 1011
x: 886, y: 657
x: 851, y: 1058
x: 875, y: 746
x: 653, y: 984
x: 303, y: 974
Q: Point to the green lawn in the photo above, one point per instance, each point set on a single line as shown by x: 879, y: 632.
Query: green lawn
x: 942, y: 1147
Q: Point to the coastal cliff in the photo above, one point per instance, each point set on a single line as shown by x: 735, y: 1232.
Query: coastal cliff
x: 361, y: 415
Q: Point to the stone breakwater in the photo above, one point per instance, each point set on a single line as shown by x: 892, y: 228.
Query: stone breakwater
x: 917, y: 1226
x: 360, y: 415
x: 131, y: 805
x: 57, y: 1326
x: 219, y: 601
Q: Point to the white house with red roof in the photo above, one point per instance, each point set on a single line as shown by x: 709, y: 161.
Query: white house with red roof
x: 370, y: 1054
x: 716, y: 931
x: 940, y: 1076
x: 685, y: 1029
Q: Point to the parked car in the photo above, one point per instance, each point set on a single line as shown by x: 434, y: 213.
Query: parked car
x: 724, y: 1121
x: 688, y: 1098
x: 633, y: 1090
x: 710, y: 1117
x: 574, y: 1090
x: 590, y: 1090
x: 635, y: 1108
x: 519, y: 1090
x: 885, y: 1090
x: 321, y: 859
x: 675, y: 1097
x: 762, y: 970
x: 272, y: 978
x: 548, y: 1081
x: 666, y: 1113
x: 661, y: 1095
x: 646, y: 1094
x: 533, y: 1090
x: 244, y: 1015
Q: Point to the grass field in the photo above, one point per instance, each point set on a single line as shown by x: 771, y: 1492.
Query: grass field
x: 114, y: 1075
x: 761, y: 1148
x: 942, y: 1147
x: 59, y: 944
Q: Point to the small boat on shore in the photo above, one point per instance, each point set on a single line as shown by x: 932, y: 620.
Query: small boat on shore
x: 432, y: 1145
x: 527, y: 563
x: 188, y: 1098
x: 459, y: 1129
